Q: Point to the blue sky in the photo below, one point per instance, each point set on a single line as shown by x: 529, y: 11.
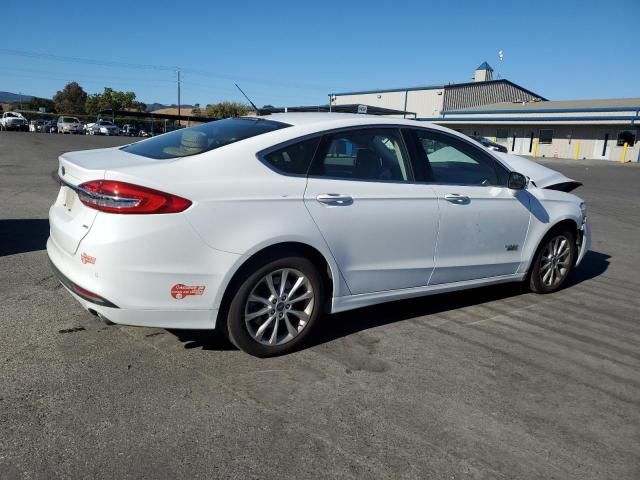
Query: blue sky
x: 292, y: 53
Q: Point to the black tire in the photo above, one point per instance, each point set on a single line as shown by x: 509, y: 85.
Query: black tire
x: 235, y: 326
x: 561, y: 266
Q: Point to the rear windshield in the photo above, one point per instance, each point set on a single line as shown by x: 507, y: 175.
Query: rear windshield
x: 191, y: 141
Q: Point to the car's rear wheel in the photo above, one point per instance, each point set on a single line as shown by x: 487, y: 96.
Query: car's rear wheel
x: 553, y: 262
x: 275, y: 307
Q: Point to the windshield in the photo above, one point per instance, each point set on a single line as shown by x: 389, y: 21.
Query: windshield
x: 212, y: 135
x: 69, y: 120
x: 11, y: 114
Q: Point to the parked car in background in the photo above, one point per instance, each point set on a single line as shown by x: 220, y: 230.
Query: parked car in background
x: 496, y: 147
x: 260, y: 226
x: 143, y: 133
x: 37, y: 125
x: 50, y: 126
x: 69, y: 125
x: 129, y: 130
x: 102, y: 127
x: 14, y: 121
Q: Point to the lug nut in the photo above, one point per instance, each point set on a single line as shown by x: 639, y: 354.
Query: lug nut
x: 274, y: 301
x: 288, y: 305
x: 281, y: 315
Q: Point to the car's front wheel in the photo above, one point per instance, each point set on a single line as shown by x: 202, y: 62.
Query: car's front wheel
x: 275, y: 307
x: 553, y: 262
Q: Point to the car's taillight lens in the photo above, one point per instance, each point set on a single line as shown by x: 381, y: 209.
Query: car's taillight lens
x: 121, y: 197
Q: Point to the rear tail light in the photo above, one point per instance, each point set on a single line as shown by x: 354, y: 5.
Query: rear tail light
x: 121, y: 197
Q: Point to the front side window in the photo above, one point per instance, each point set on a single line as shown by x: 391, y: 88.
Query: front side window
x: 293, y: 159
x: 203, y: 138
x: 374, y: 154
x: 448, y: 160
x: 546, y: 136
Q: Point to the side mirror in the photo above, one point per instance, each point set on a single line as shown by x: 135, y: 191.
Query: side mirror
x: 517, y: 181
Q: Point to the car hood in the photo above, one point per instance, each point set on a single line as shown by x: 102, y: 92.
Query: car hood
x: 542, y: 176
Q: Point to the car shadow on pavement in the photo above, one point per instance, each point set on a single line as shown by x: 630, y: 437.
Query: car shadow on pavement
x: 347, y: 323
x: 23, y: 235
x: 343, y: 324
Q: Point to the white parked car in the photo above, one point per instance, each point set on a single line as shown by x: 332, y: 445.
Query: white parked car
x: 101, y: 127
x: 69, y: 125
x: 259, y: 226
x: 14, y: 121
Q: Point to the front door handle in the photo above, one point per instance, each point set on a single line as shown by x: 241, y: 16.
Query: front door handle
x: 335, y: 199
x: 457, y: 198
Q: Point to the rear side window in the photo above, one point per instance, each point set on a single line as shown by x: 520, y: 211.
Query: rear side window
x: 203, y: 138
x: 293, y: 159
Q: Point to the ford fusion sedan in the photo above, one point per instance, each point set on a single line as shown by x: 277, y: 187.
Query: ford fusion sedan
x: 259, y: 226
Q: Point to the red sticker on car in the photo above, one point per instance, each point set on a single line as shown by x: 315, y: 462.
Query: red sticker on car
x: 84, y: 258
x: 180, y: 291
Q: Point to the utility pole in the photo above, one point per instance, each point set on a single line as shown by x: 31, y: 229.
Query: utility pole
x: 178, y: 72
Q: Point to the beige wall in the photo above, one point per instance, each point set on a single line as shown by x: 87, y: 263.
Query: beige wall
x: 424, y: 103
x: 588, y: 139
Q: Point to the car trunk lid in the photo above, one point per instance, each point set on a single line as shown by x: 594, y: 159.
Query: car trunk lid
x: 70, y: 220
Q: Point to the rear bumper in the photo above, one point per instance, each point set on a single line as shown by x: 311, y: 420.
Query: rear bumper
x: 144, y: 272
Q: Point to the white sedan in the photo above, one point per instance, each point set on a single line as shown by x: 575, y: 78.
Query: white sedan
x: 257, y: 226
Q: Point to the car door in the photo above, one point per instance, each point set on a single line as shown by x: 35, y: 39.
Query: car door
x: 483, y: 224
x: 380, y: 225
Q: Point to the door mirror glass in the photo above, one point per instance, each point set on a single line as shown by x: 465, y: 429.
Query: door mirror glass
x: 517, y: 181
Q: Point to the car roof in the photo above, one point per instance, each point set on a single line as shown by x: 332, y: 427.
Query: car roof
x: 327, y: 119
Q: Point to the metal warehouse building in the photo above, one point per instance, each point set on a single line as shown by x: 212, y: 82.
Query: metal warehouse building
x: 525, y: 122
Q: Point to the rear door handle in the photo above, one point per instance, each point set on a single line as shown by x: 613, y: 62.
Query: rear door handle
x: 456, y: 198
x: 335, y: 199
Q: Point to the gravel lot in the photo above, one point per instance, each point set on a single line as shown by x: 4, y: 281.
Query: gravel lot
x: 490, y: 383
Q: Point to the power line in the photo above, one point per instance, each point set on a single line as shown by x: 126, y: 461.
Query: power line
x: 88, y: 61
x: 166, y: 68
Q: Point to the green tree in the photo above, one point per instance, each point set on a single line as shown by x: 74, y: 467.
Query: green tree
x: 36, y: 102
x: 111, y: 99
x: 227, y: 109
x: 71, y: 99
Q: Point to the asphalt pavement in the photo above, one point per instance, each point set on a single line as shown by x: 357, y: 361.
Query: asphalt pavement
x: 493, y: 383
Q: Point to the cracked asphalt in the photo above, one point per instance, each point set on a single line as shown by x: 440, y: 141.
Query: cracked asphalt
x: 493, y: 383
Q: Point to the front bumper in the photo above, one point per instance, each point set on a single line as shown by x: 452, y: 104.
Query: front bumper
x: 584, y: 241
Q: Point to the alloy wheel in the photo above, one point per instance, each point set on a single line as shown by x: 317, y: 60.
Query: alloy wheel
x: 554, y: 264
x: 279, y: 307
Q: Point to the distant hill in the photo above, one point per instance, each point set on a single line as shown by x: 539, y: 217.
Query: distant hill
x: 152, y: 107
x: 8, y: 97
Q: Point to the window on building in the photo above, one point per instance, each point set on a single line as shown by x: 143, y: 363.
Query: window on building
x: 627, y: 137
x: 502, y: 134
x: 545, y: 136
x: 369, y: 154
x: 293, y: 159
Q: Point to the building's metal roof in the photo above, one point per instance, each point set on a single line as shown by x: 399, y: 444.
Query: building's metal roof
x: 351, y: 108
x: 437, y: 87
x: 485, y: 66
x: 559, y: 106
